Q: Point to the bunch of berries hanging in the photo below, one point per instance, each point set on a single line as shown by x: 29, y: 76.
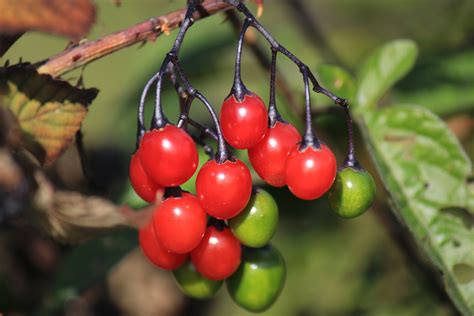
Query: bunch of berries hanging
x: 223, y: 232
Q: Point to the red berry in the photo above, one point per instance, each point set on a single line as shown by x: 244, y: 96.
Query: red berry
x: 218, y: 255
x: 310, y: 172
x: 146, y: 188
x: 244, y: 123
x: 155, y: 252
x: 224, y: 189
x: 180, y: 223
x: 269, y: 156
x: 168, y: 155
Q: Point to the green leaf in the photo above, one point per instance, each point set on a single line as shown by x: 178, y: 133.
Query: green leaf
x: 337, y: 80
x: 426, y: 173
x: 382, y: 69
x: 49, y: 111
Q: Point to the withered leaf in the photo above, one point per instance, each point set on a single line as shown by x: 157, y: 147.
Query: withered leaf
x: 49, y: 111
x: 72, y: 18
x: 71, y: 217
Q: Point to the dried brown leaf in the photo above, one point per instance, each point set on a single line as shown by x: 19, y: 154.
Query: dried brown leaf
x: 72, y: 18
x: 49, y: 111
x: 71, y: 217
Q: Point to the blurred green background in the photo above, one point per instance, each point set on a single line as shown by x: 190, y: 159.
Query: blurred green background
x: 365, y: 266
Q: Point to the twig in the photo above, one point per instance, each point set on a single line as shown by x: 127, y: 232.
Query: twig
x: 82, y: 54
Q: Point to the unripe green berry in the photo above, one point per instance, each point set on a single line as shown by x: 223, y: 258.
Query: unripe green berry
x: 257, y: 223
x: 352, y: 193
x: 193, y: 284
x: 259, y: 280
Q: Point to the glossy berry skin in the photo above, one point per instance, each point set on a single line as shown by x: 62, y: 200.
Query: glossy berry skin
x: 243, y: 123
x: 257, y: 223
x: 155, y: 252
x: 352, y: 193
x: 168, y: 156
x: 180, y: 223
x: 259, y: 280
x: 310, y: 172
x: 218, y: 255
x: 268, y: 157
x: 194, y: 284
x: 146, y: 188
x: 224, y: 189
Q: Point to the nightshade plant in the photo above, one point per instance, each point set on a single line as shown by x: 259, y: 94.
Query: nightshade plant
x: 422, y: 165
x: 167, y: 158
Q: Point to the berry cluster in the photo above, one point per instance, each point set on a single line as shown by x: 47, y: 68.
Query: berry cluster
x: 223, y: 232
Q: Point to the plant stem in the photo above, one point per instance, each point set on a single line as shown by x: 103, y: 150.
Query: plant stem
x: 351, y: 160
x: 277, y: 46
x: 159, y: 119
x: 202, y: 128
x: 141, y: 111
x: 309, y: 139
x: 175, y: 192
x: 80, y: 55
x: 172, y: 57
x: 239, y: 90
x: 273, y: 115
x: 222, y: 153
x: 265, y: 62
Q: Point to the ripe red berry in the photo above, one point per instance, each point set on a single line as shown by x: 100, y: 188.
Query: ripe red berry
x: 168, y: 155
x: 155, y: 252
x: 143, y: 185
x: 243, y: 123
x: 224, y: 189
x: 180, y: 223
x: 310, y: 172
x: 268, y: 157
x: 218, y: 255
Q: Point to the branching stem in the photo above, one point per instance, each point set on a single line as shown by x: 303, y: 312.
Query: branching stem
x: 277, y: 46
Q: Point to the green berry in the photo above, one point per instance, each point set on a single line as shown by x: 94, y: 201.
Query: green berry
x: 193, y: 284
x: 352, y: 193
x: 259, y: 280
x: 257, y: 223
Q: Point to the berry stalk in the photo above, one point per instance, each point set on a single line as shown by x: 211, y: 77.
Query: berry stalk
x: 273, y: 114
x: 239, y: 90
x: 280, y: 48
x: 351, y: 160
x: 308, y: 139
